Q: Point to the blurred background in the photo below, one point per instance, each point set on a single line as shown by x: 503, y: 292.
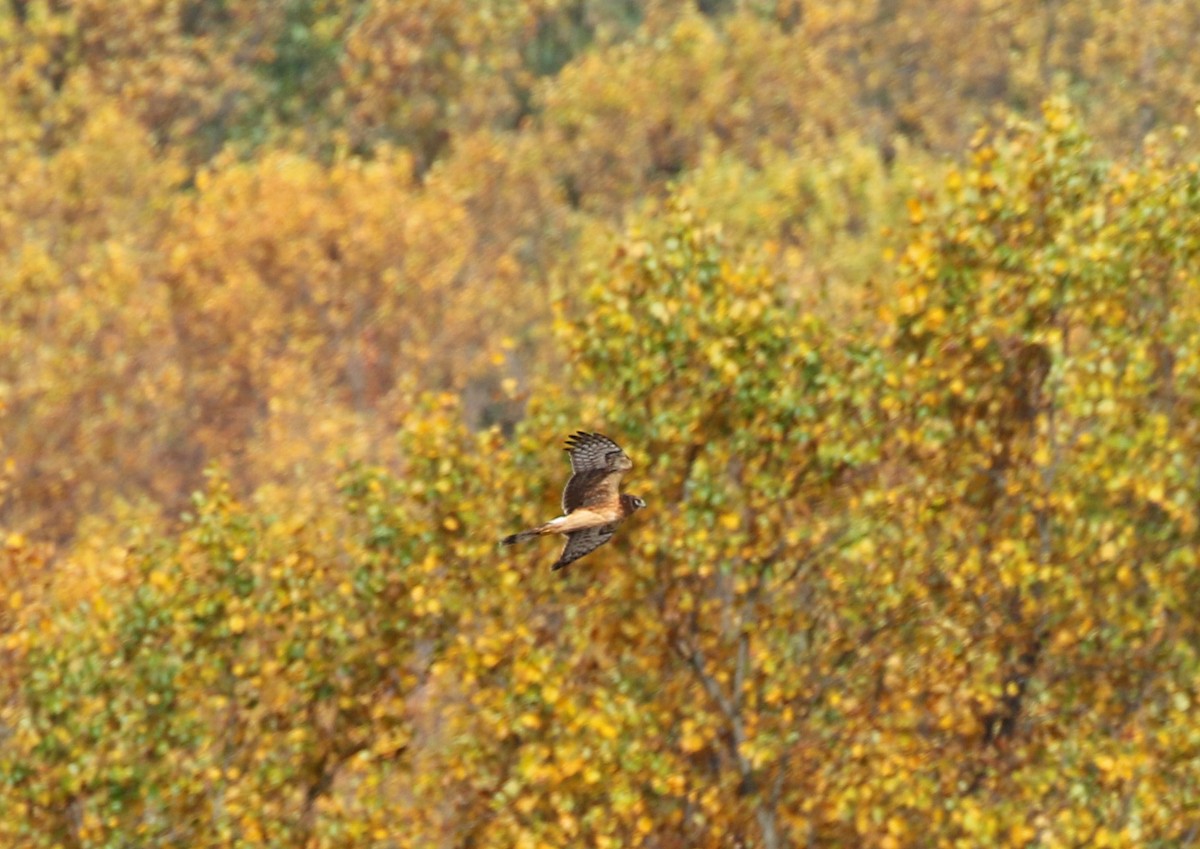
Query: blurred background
x: 893, y: 303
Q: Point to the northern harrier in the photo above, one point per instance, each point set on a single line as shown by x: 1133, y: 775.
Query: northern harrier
x: 592, y: 502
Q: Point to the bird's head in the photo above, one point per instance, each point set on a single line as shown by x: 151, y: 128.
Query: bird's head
x: 634, y: 502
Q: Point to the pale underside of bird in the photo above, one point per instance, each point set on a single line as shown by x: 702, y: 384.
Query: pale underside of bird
x: 592, y: 503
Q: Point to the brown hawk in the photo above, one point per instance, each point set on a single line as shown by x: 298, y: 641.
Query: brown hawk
x: 592, y: 502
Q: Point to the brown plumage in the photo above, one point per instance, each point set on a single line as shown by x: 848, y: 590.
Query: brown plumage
x: 592, y: 502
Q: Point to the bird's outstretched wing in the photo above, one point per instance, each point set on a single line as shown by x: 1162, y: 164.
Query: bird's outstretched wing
x: 583, y: 542
x: 591, y: 451
x: 597, y: 463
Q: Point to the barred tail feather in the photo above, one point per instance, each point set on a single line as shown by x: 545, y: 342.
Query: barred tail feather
x: 513, y: 539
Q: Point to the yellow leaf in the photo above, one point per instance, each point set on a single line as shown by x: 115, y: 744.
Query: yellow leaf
x: 690, y: 741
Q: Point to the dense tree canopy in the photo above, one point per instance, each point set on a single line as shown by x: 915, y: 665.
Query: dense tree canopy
x: 895, y: 310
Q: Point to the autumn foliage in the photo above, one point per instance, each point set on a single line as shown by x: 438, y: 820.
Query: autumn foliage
x: 894, y: 308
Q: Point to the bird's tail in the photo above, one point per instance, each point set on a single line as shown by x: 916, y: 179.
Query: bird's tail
x: 513, y: 539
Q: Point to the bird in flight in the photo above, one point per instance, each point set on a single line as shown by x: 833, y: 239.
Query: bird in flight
x: 592, y: 502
